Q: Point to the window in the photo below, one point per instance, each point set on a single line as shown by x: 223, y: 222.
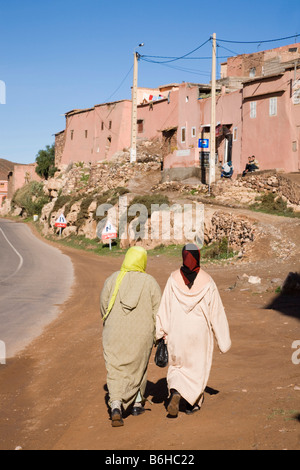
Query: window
x: 183, y: 135
x: 193, y: 131
x: 273, y: 107
x: 86, y: 133
x: 253, y: 109
x: 102, y: 126
x: 252, y: 72
x: 72, y: 135
x: 140, y: 124
x: 235, y: 134
x: 109, y: 125
x: 187, y: 99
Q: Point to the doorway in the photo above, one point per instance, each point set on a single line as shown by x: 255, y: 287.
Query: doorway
x: 228, y: 148
x: 298, y: 146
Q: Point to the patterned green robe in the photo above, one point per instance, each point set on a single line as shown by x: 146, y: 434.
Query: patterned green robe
x: 129, y: 334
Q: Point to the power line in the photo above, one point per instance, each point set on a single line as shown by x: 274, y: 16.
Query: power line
x: 169, y: 59
x: 183, y: 69
x: 107, y: 99
x: 185, y: 58
x: 228, y: 50
x: 259, y: 42
x: 181, y: 57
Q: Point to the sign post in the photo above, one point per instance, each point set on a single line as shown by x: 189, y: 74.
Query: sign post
x: 61, y: 223
x: 109, y: 233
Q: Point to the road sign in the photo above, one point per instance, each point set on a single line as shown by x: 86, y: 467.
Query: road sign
x: 109, y: 232
x: 61, y: 222
x: 203, y: 143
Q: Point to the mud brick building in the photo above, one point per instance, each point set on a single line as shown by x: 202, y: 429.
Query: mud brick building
x: 257, y: 113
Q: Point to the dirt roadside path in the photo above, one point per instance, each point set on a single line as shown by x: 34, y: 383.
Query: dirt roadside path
x: 53, y: 394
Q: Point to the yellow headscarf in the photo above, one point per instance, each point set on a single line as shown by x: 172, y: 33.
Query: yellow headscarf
x: 135, y: 260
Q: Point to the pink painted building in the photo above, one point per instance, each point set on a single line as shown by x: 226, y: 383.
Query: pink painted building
x: 271, y: 120
x: 260, y: 63
x: 20, y: 175
x: 257, y: 113
x: 5, y: 167
x: 191, y: 128
x: 3, y: 191
x: 95, y: 134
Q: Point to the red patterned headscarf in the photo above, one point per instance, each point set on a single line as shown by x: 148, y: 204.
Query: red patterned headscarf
x: 191, y: 264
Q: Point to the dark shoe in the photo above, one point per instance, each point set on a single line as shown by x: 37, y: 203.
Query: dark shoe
x: 190, y: 410
x: 138, y: 410
x: 116, y: 418
x: 173, y: 407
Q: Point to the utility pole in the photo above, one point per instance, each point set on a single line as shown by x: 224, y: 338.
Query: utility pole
x: 212, y: 159
x: 134, y: 108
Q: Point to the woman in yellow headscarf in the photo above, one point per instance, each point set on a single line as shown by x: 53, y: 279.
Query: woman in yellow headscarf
x: 129, y: 303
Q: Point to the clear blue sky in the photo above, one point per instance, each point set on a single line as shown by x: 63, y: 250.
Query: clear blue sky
x: 57, y: 55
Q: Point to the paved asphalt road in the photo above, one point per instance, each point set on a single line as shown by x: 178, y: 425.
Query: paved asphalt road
x: 34, y: 279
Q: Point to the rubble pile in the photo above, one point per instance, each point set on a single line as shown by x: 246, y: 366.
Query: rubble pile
x: 101, y: 177
x: 178, y: 187
x: 245, y: 191
x: 237, y: 229
x: 272, y: 182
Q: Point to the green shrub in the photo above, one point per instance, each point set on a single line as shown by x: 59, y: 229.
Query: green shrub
x: 30, y: 198
x: 271, y: 204
x: 83, y: 213
x: 217, y: 250
x: 148, y: 201
x: 110, y: 196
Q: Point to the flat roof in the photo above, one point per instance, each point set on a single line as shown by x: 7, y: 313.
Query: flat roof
x: 86, y: 110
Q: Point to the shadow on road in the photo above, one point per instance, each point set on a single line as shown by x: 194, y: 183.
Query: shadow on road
x: 288, y: 301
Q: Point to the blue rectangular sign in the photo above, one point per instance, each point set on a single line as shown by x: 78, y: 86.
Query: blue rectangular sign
x: 203, y: 143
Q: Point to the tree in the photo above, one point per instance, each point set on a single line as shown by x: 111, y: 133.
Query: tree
x: 45, y: 160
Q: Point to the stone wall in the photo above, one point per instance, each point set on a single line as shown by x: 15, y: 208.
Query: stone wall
x: 238, y: 230
x: 272, y: 181
x: 60, y: 140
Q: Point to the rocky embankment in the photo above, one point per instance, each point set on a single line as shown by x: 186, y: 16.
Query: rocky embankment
x: 79, y: 189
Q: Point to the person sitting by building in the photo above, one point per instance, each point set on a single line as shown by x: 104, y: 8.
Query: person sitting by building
x: 251, y: 166
x: 227, y: 170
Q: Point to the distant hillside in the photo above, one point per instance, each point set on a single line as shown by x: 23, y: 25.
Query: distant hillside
x: 5, y: 167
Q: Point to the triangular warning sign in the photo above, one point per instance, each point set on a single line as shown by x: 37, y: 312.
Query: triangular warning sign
x: 61, y: 221
x: 109, y: 232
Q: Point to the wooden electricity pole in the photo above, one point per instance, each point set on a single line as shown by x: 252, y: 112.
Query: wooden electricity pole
x: 134, y: 109
x: 212, y: 159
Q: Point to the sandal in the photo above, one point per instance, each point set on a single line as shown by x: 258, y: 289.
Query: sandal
x: 173, y: 407
x: 116, y: 418
x: 192, y: 409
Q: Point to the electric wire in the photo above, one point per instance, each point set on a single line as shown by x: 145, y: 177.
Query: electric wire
x: 178, y: 58
x: 169, y: 59
x: 185, y: 58
x: 181, y: 69
x: 117, y: 89
x: 188, y: 70
x: 259, y: 42
x: 151, y: 58
x: 228, y: 50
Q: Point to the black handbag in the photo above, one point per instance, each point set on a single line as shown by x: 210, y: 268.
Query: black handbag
x: 161, y: 355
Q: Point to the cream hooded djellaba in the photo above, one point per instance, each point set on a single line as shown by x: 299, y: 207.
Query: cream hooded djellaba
x: 189, y: 321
